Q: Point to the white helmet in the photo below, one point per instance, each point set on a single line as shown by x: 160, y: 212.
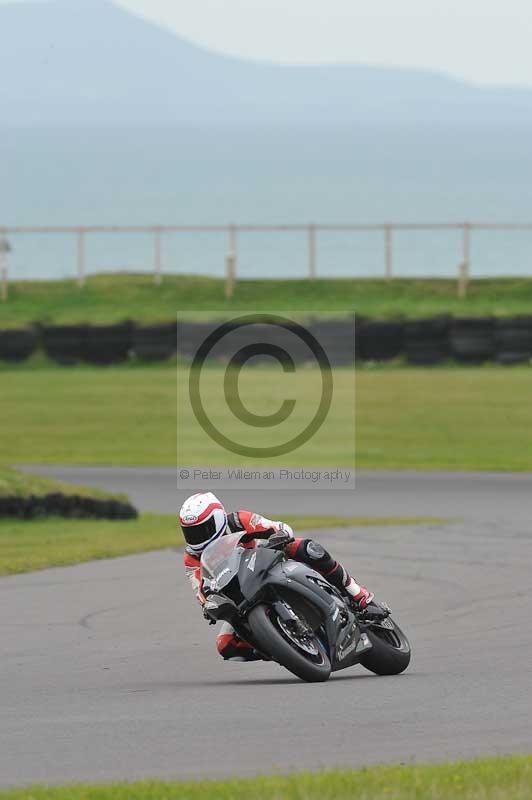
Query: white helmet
x: 203, y: 520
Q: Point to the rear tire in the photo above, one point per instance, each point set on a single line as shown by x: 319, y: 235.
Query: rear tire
x: 270, y: 639
x: 390, y: 654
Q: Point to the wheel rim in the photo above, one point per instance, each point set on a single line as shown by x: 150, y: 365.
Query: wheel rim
x: 305, y: 641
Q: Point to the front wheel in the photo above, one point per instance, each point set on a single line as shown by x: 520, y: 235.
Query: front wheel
x: 391, y: 653
x: 303, y: 655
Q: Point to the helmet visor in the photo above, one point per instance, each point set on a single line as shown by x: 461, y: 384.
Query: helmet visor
x: 199, y: 534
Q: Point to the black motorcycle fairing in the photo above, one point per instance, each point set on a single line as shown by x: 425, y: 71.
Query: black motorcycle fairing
x: 270, y: 573
x: 253, y: 569
x: 339, y: 621
x: 239, y: 578
x: 220, y: 607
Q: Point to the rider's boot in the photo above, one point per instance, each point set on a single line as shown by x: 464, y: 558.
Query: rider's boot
x: 364, y: 600
x: 359, y: 595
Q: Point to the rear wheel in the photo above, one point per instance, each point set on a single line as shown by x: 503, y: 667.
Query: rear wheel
x: 391, y: 651
x: 295, y: 646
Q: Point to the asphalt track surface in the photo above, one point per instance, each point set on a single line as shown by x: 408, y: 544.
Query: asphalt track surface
x: 481, y: 495
x: 108, y: 671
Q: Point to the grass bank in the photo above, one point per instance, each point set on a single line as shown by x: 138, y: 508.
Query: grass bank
x: 488, y: 779
x: 20, y: 484
x: 26, y: 546
x: 450, y: 418
x: 111, y: 298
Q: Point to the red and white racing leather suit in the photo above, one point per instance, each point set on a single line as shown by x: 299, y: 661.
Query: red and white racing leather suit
x: 231, y: 646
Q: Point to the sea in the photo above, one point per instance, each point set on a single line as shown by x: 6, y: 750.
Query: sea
x: 363, y: 175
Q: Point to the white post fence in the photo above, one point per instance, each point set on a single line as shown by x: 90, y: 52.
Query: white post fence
x: 312, y: 252
x: 81, y: 257
x: 5, y: 248
x: 310, y: 230
x: 157, y: 234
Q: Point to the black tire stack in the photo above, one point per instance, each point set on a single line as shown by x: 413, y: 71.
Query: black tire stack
x: 190, y: 336
x: 108, y: 344
x: 94, y: 344
x: 338, y: 338
x: 155, y: 342
x: 17, y: 344
x: 423, y: 342
x: 71, y: 506
x: 472, y: 339
x: 65, y: 344
x: 380, y: 340
x: 427, y: 341
x: 514, y: 340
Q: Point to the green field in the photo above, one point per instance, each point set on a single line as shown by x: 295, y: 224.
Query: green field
x: 488, y: 779
x: 449, y: 418
x: 28, y: 545
x: 110, y: 298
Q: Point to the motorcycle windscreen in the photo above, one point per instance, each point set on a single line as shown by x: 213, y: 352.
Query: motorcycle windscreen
x: 220, y: 560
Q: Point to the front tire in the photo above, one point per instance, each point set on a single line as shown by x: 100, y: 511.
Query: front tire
x: 270, y: 638
x: 391, y: 652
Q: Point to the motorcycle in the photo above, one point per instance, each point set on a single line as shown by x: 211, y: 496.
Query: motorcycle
x: 292, y: 615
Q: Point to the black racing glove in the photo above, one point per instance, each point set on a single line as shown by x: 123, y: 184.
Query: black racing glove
x: 279, y: 539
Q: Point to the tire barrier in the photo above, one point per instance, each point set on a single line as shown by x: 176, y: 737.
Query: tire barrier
x: 64, y: 344
x: 65, y: 505
x: 95, y: 344
x: 513, y: 340
x: 472, y: 339
x: 336, y: 337
x: 380, y: 340
x: 18, y: 344
x: 155, y: 342
x: 423, y: 342
x: 108, y: 344
x: 190, y: 335
x: 426, y: 341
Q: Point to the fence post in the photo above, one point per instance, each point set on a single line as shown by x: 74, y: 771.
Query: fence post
x: 463, y: 279
x: 230, y: 273
x: 312, y: 252
x: 230, y: 264
x: 5, y: 248
x: 81, y: 257
x: 157, y: 254
x: 388, y: 251
x: 463, y: 268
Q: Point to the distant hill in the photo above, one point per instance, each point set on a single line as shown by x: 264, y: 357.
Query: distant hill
x: 89, y: 62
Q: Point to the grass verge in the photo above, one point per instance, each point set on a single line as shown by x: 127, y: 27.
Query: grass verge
x: 507, y: 778
x: 21, y: 484
x: 449, y: 419
x: 26, y: 546
x: 110, y: 298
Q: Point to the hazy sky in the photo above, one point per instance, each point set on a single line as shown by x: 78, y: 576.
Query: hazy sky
x: 486, y: 41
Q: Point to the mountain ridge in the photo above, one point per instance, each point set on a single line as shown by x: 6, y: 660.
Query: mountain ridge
x: 90, y: 62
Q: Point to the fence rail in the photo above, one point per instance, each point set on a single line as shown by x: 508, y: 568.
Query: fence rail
x: 232, y: 231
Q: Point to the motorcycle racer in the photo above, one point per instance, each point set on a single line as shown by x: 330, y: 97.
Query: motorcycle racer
x: 204, y: 519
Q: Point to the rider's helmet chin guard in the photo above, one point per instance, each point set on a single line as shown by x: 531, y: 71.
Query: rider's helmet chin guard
x: 203, y: 519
